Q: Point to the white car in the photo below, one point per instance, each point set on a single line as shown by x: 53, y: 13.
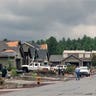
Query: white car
x: 84, y: 70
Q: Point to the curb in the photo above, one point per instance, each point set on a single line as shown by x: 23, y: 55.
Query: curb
x: 8, y: 90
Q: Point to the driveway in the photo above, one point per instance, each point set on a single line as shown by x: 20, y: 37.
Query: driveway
x: 84, y: 87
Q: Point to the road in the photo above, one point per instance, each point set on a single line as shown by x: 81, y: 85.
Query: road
x: 84, y: 87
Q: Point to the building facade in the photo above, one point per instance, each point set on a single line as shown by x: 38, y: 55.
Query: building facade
x: 77, y: 57
x: 10, y: 54
x: 34, y: 52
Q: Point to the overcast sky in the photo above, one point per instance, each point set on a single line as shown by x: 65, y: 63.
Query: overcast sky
x: 40, y: 19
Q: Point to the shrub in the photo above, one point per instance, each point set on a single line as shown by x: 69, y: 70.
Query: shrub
x: 13, y: 72
x: 34, y: 75
x: 9, y: 67
x: 1, y: 81
x: 70, y: 69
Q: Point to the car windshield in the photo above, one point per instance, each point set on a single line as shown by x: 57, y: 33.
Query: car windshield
x: 83, y: 68
x: 60, y: 66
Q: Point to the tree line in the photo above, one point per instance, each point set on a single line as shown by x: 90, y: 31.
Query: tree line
x: 57, y: 47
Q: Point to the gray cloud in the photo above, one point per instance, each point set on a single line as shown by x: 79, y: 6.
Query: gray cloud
x: 40, y: 19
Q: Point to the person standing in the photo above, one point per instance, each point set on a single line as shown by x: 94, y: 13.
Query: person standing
x: 59, y: 70
x: 4, y: 71
x: 77, y: 73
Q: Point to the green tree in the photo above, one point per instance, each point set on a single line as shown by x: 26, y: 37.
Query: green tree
x: 69, y: 44
x: 40, y: 42
x: 61, y: 46
x: 5, y: 39
x: 94, y: 43
x: 86, y: 43
x: 52, y: 45
x: 93, y: 60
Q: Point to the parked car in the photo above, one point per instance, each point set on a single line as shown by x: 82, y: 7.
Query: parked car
x: 84, y: 71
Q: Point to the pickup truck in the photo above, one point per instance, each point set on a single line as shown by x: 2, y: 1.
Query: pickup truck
x: 35, y: 66
x: 59, y: 67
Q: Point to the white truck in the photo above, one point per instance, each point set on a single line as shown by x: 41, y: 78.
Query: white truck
x: 35, y: 66
x: 54, y: 68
